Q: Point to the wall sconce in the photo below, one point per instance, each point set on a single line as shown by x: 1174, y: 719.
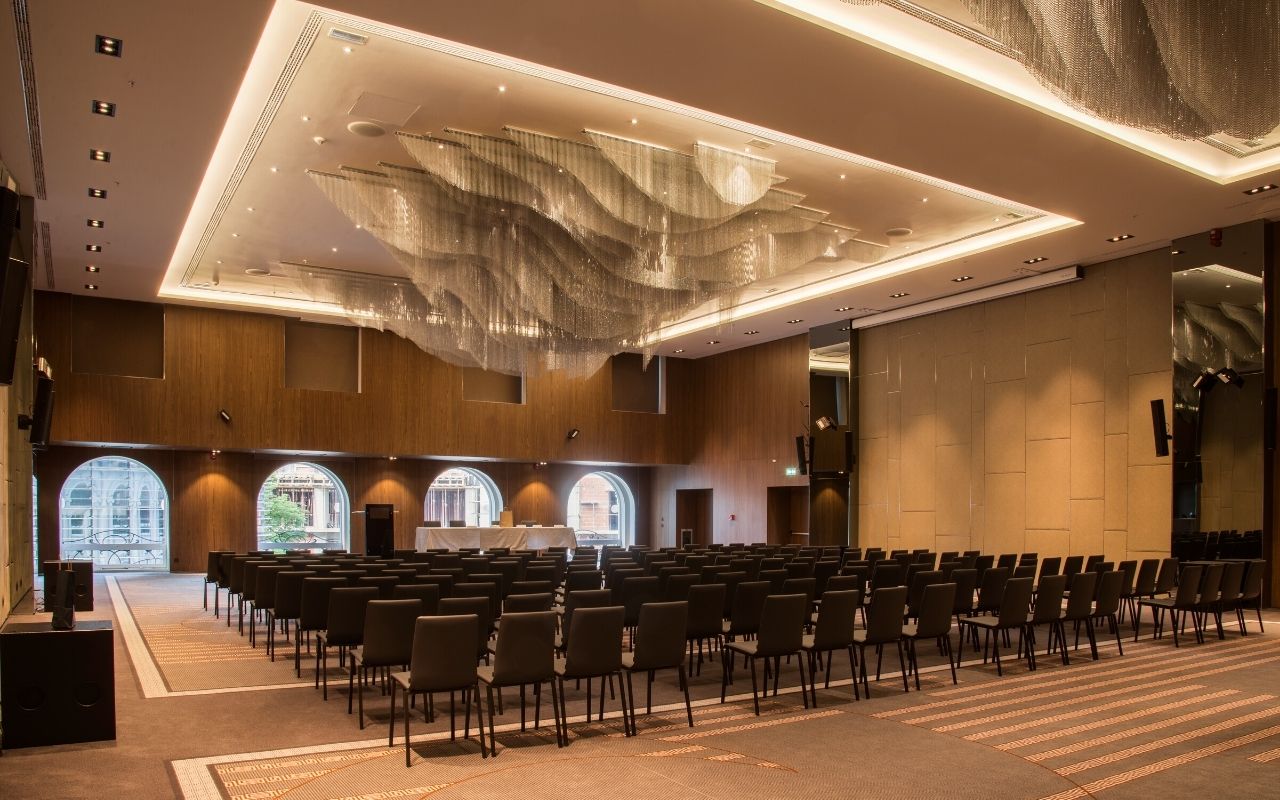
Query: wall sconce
x: 572, y: 434
x: 224, y: 416
x: 824, y: 423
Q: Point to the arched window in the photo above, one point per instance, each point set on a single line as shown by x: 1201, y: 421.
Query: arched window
x: 113, y: 511
x: 602, y: 510
x: 303, y: 506
x: 463, y: 495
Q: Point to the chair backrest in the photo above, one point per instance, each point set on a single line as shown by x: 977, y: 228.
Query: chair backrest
x: 804, y: 586
x: 1130, y: 571
x: 915, y: 591
x: 1050, y: 566
x: 1073, y: 565
x: 992, y: 588
x: 800, y: 568
x: 1145, y: 583
x: 1188, y: 586
x: 1092, y: 560
x: 442, y: 659
x: 1168, y: 576
x: 1049, y: 598
x: 782, y: 621
x: 1110, y: 586
x: 1025, y: 571
x: 288, y: 603
x: 383, y: 583
x: 884, y: 617
x: 526, y: 648
x: 596, y: 647
x: 844, y: 583
x: 427, y: 595
x: 1251, y: 588
x: 886, y: 574
x: 1007, y: 561
x: 823, y: 571
x: 748, y: 602
x: 678, y: 586
x: 582, y: 580
x: 1233, y: 580
x: 835, y: 619
x: 346, y: 614
x: 1015, y: 602
x: 1211, y: 582
x: 519, y: 603
x: 775, y: 577
x: 934, y: 609
x: 388, y: 631
x: 706, y: 610
x: 660, y: 635
x: 480, y: 609
x: 638, y: 591
x: 1080, y: 603
x: 582, y: 598
x: 966, y: 581
x: 315, y: 602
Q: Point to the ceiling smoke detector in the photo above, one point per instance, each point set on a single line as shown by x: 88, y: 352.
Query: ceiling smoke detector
x: 366, y: 128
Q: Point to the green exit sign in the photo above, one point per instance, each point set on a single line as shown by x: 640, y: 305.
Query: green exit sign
x: 791, y: 472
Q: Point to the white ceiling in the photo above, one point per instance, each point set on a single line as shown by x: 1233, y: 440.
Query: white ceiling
x: 822, y: 94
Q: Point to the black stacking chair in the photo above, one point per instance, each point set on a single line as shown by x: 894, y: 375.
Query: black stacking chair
x: 658, y: 644
x: 524, y: 655
x: 1083, y: 588
x: 287, y: 606
x: 1251, y: 594
x: 345, y: 625
x: 1011, y: 615
x: 1144, y: 585
x: 483, y: 611
x: 594, y: 652
x: 1047, y: 611
x: 1110, y: 586
x: 884, y: 625
x: 933, y: 621
x: 441, y: 661
x: 314, y: 616
x: 388, y: 642
x: 426, y: 594
x: 833, y: 631
x: 781, y: 634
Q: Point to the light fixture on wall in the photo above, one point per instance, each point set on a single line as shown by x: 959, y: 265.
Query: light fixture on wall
x: 224, y: 416
x: 823, y: 423
x: 572, y: 434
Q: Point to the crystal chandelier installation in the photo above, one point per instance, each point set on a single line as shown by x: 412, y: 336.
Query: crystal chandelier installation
x: 530, y: 252
x: 1185, y: 68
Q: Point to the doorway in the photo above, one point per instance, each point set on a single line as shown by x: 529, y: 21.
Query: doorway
x: 788, y: 515
x: 693, y: 517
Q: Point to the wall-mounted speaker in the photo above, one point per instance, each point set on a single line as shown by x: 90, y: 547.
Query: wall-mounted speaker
x: 82, y: 580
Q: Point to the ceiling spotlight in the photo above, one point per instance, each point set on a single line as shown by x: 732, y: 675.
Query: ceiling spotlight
x: 501, y: 88
x: 347, y: 50
x: 962, y: 279
x: 1178, y: 252
x: 896, y: 295
x: 235, y: 236
x: 1120, y: 238
x: 714, y: 341
x: 572, y: 434
x: 101, y: 194
x: 334, y: 249
x: 750, y: 333
x: 823, y: 423
x: 99, y: 155
x: 224, y: 416
x: 924, y: 199
x: 93, y: 248
x: 275, y: 169
x: 249, y: 209
x: 389, y: 458
x: 306, y: 117
x: 104, y: 108
x: 1036, y: 260
x: 93, y: 287
x: 843, y: 176
x: 95, y: 223
x: 1266, y: 187
x: 794, y: 321
x: 842, y: 309
x: 635, y: 121
x: 107, y: 46
x: 92, y: 268
x: 678, y: 350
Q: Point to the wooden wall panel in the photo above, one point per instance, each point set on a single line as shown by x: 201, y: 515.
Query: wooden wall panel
x: 410, y: 404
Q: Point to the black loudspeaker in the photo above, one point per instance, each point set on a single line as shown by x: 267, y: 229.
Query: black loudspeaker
x: 42, y: 407
x: 64, y: 600
x: 802, y: 456
x: 1160, y: 428
x: 83, y: 572
x: 379, y: 529
x: 15, y: 279
x: 57, y: 687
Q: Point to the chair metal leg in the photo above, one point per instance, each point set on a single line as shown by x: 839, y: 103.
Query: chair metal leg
x: 684, y: 686
x: 755, y: 688
x: 853, y: 673
x: 631, y: 692
x: 951, y: 662
x: 493, y: 742
x: 406, y: 727
x: 1115, y: 626
x: 902, y: 664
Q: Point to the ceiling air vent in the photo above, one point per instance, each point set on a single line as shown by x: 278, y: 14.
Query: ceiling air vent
x: 347, y: 36
x: 759, y: 144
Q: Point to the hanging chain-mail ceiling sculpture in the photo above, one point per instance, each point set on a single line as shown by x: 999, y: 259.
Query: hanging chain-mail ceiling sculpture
x: 535, y: 252
x: 1185, y: 68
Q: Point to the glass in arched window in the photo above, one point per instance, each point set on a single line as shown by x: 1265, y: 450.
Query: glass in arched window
x: 462, y: 495
x: 601, y: 510
x: 112, y: 511
x: 303, y: 506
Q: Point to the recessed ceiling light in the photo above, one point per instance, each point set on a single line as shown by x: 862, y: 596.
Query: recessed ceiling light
x: 235, y: 236
x: 924, y: 199
x: 1036, y: 260
x: 334, y: 249
x: 845, y: 328
x: 104, y: 108
x: 306, y: 117
x: 714, y: 341
x: 635, y: 121
x: 896, y: 295
x: 108, y: 45
x: 99, y: 155
x: 219, y: 261
x: 502, y: 88
x: 794, y: 321
x: 770, y: 291
x: 1266, y: 187
x: 93, y: 287
x: 678, y: 350
x: 359, y: 226
x: 101, y: 194
x: 92, y: 268
x: 93, y: 248
x: 1178, y: 252
x: 1120, y: 238
x: 844, y: 308
x: 95, y: 223
x: 843, y: 176
x: 962, y: 279
x: 750, y: 333
x: 347, y: 50
x: 1228, y: 286
x: 275, y: 169
x: 249, y: 209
